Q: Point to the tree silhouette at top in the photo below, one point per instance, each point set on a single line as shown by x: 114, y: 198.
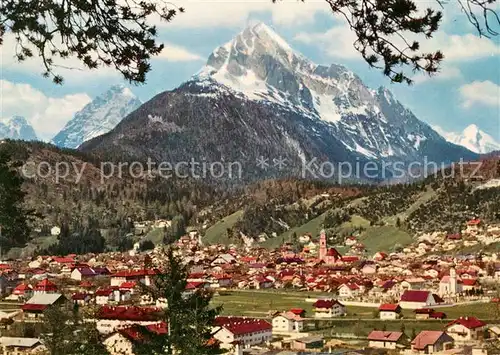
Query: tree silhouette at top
x: 122, y: 34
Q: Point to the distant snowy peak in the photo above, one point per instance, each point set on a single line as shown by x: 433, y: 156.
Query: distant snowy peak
x: 98, y: 117
x: 17, y: 127
x: 472, y: 138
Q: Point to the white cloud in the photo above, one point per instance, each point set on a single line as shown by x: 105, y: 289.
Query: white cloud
x: 480, y: 93
x: 46, y: 114
x: 462, y: 48
x: 230, y: 13
x: 446, y: 73
x: 173, y: 53
x: 337, y: 42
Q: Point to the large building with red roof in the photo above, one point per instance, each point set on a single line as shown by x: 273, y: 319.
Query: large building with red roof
x: 112, y: 318
x: 415, y: 299
x: 142, y: 275
x: 241, y: 330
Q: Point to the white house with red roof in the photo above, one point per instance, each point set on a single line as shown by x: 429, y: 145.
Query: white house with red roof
x: 21, y: 292
x: 142, y: 275
x: 45, y: 286
x: 328, y: 309
x: 431, y: 341
x: 385, y: 339
x: 465, y: 329
x: 349, y: 290
x: 288, y: 322
x: 35, y: 306
x: 245, y: 331
x: 473, y: 226
x: 104, y: 295
x: 122, y: 341
x: 379, y: 256
x: 415, y: 299
x: 111, y: 318
x: 389, y: 311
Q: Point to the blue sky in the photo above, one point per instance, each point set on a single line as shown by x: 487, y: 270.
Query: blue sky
x: 467, y: 90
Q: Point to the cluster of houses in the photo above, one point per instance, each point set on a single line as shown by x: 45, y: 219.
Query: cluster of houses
x: 390, y: 283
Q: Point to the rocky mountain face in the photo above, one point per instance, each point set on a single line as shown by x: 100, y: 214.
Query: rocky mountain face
x: 18, y: 128
x: 257, y: 97
x: 473, y: 139
x: 100, y: 116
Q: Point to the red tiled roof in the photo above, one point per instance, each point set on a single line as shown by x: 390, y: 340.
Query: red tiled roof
x: 241, y: 325
x: 325, y: 303
x: 21, y: 289
x: 474, y: 222
x: 297, y: 311
x: 33, y: 307
x: 380, y: 335
x: 86, y: 284
x: 79, y: 296
x: 104, y: 292
x: 469, y: 282
x: 138, y: 332
x: 468, y: 322
x: 132, y: 313
x: 135, y: 273
x: 415, y: 296
x: 437, y: 315
x: 128, y: 284
x: 333, y: 252
x: 389, y: 307
x: 46, y: 285
x: 428, y: 337
x: 63, y: 260
x: 194, y: 285
x: 424, y: 311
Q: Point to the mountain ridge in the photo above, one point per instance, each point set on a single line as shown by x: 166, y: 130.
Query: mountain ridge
x: 256, y: 89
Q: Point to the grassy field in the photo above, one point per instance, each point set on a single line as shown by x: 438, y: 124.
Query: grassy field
x: 359, y: 320
x: 384, y: 238
x: 217, y: 233
x: 259, y: 302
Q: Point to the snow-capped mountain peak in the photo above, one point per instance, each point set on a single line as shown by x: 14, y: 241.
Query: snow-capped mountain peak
x: 259, y: 65
x: 472, y: 138
x: 98, y: 117
x: 17, y: 127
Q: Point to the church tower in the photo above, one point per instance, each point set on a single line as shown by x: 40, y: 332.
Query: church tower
x: 453, y: 281
x: 322, y: 245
